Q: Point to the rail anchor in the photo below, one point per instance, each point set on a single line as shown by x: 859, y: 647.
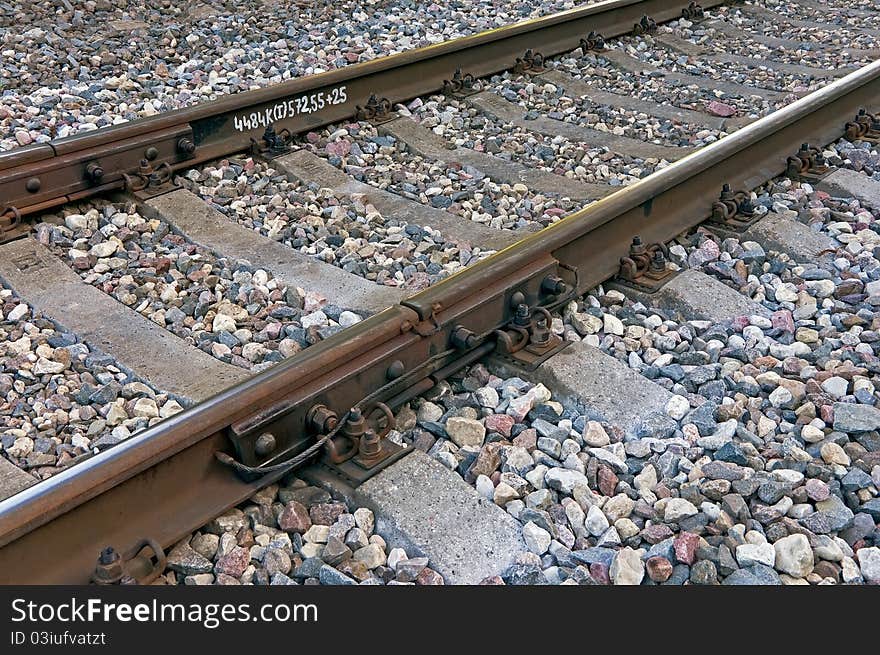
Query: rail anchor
x: 149, y: 181
x: 527, y: 340
x: 273, y: 143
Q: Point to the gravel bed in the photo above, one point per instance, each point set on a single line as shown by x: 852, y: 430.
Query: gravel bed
x: 597, y: 70
x: 467, y: 127
x: 694, y: 498
x: 293, y: 534
x: 80, y: 65
x: 832, y: 14
x: 825, y: 49
x: 347, y: 232
x: 230, y: 309
x: 554, y: 102
x: 646, y: 49
x: 359, y: 150
x: 61, y: 399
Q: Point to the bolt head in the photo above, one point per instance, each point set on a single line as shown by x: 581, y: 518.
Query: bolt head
x: 265, y: 444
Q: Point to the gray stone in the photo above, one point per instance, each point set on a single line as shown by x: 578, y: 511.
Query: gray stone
x: 849, y: 417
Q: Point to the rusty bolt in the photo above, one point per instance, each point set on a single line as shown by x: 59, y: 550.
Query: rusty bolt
x: 33, y: 185
x: 109, y: 569
x: 186, y: 146
x: 554, y: 285
x: 462, y: 337
x: 94, y: 172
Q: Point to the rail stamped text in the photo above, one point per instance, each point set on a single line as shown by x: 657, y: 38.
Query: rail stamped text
x: 305, y: 104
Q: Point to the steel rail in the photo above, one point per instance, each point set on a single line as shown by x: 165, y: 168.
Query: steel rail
x: 38, y: 177
x: 164, y: 482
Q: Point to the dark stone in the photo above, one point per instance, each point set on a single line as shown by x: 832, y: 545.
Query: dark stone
x: 595, y: 555
x: 330, y: 576
x: 704, y: 573
x: 703, y: 417
x: 731, y: 452
x: 524, y: 574
x: 771, y: 491
x: 856, y: 479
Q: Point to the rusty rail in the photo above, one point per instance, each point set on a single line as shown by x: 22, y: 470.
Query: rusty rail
x: 39, y: 177
x: 162, y: 483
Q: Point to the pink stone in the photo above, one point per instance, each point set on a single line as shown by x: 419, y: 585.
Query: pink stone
x: 685, y: 546
x: 817, y: 490
x: 295, y: 518
x: 500, y: 423
x: 826, y: 413
x: 782, y: 320
x: 313, y: 301
x: 429, y: 577
x: 492, y: 580
x: 234, y: 562
x: 659, y: 568
x: 338, y: 148
x: 607, y: 480
x: 720, y: 109
x: 520, y: 407
x: 599, y: 572
x: 740, y: 322
x: 527, y: 439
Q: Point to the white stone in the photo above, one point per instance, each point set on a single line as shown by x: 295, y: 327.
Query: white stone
x: 365, y: 520
x: 596, y: 522
x: 678, y: 508
x: 835, y: 386
x: 104, y: 249
x: 594, y: 435
x: 627, y: 567
x: 465, y: 431
x: 612, y: 325
x: 223, y: 323
x: 371, y: 555
x: 869, y: 563
x: 537, y: 538
x: 145, y: 407
x: 677, y: 407
x: 793, y: 555
x: 748, y: 554
x: 485, y: 487
x: 565, y: 480
x: 17, y: 313
x: 347, y: 319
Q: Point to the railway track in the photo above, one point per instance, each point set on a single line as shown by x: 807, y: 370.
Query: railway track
x: 347, y: 271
